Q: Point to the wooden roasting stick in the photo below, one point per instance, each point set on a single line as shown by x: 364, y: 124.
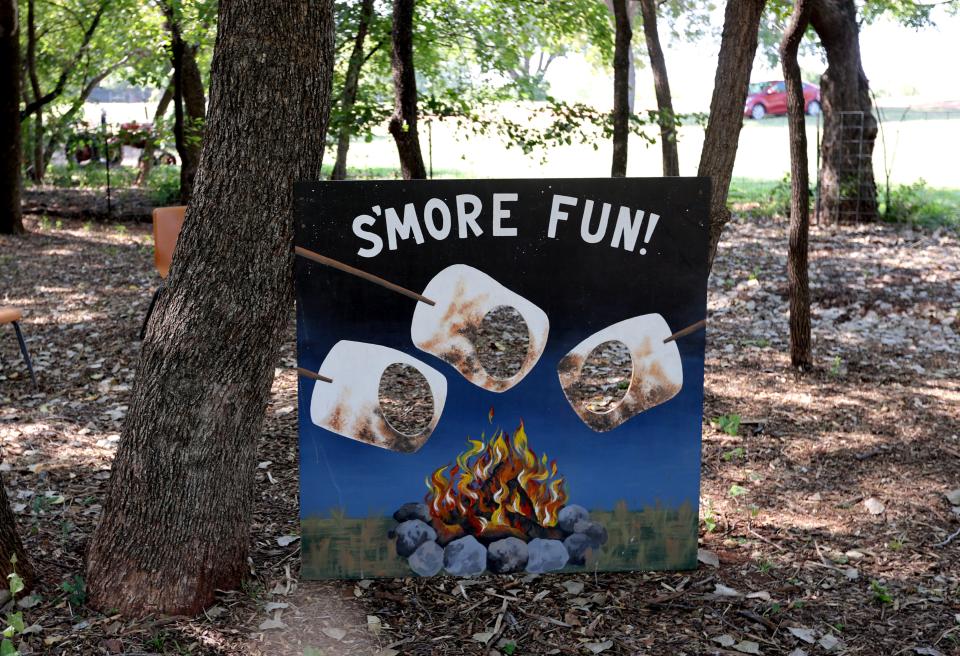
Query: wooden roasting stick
x: 306, y: 373
x: 316, y: 257
x: 692, y: 328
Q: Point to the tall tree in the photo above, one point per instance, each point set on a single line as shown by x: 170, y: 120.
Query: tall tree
x: 847, y: 186
x: 351, y: 85
x: 11, y: 217
x: 621, y: 87
x: 403, y: 123
x: 176, y: 521
x: 797, y: 270
x: 661, y: 86
x: 189, y: 104
x: 10, y: 544
x: 150, y: 146
x: 738, y: 45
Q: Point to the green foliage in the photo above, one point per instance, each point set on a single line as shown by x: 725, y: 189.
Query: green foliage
x: 14, y: 621
x: 729, y: 424
x: 509, y: 648
x: 76, y: 589
x: 737, y: 491
x: 880, y: 593
x: 709, y: 518
x: 918, y: 204
x: 734, y: 454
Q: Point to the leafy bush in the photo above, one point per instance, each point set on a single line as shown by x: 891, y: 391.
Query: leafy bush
x: 920, y: 205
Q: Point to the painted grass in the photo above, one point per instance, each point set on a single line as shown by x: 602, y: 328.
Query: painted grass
x: 651, y: 539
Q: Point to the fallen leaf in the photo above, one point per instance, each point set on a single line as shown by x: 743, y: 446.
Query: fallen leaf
x: 760, y: 594
x: 274, y: 605
x: 725, y: 640
x: 953, y: 496
x: 798, y: 652
x: 708, y: 558
x: 747, y: 647
x: 724, y: 591
x: 374, y: 624
x: 573, y: 587
x: 803, y: 634
x: 267, y: 625
x: 336, y: 634
x: 928, y: 651
x: 597, y: 647
x: 873, y: 506
x: 286, y: 540
x: 483, y: 637
x: 829, y: 641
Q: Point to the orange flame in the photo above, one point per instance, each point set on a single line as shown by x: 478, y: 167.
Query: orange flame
x: 495, y: 489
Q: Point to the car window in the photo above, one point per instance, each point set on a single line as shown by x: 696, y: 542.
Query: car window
x: 780, y: 87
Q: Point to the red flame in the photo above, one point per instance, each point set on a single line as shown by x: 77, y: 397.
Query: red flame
x: 495, y: 489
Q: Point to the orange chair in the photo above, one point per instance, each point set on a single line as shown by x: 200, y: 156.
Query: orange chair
x: 13, y: 315
x: 167, y: 222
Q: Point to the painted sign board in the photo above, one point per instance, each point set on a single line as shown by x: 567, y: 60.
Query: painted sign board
x: 556, y: 413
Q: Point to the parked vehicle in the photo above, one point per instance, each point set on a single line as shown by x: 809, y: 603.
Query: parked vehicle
x: 770, y: 98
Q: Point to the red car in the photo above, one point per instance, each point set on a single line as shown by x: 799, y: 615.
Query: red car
x: 771, y: 98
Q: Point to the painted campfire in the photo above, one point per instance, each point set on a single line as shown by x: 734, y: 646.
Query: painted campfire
x: 497, y: 489
x: 500, y: 507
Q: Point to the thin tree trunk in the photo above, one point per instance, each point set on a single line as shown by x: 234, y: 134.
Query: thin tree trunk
x: 10, y: 544
x: 621, y: 88
x: 846, y: 167
x: 176, y: 521
x: 150, y: 147
x: 797, y: 270
x: 403, y: 123
x: 36, y: 168
x: 661, y: 85
x: 350, y: 85
x: 188, y: 102
x: 11, y: 216
x: 738, y: 45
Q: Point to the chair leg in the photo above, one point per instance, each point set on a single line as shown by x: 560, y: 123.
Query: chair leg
x: 146, y: 319
x: 26, y: 354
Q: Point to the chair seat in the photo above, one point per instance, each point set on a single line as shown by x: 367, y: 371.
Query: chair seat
x: 9, y: 315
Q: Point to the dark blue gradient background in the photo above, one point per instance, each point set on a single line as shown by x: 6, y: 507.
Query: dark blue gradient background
x: 652, y: 459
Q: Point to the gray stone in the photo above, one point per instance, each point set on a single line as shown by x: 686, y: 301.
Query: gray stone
x: 546, y: 555
x: 570, y: 515
x: 507, y: 556
x: 411, y: 534
x: 593, y: 530
x: 427, y: 560
x: 465, y: 557
x: 577, y: 546
x: 413, y: 511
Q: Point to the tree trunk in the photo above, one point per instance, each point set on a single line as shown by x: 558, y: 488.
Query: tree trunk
x: 150, y: 147
x: 350, y: 85
x: 797, y: 276
x: 848, y: 191
x: 10, y: 544
x: 738, y: 45
x: 661, y: 85
x: 188, y: 102
x: 176, y: 521
x: 621, y: 88
x: 36, y: 167
x: 11, y: 216
x: 37, y: 155
x: 403, y: 123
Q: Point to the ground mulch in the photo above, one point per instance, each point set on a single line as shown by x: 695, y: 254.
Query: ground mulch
x: 825, y: 520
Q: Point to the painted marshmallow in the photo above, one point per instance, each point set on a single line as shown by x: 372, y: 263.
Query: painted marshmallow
x: 448, y: 329
x: 657, y: 370
x: 350, y: 405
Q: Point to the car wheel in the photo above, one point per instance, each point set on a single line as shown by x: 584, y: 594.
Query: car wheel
x: 813, y: 108
x: 758, y: 111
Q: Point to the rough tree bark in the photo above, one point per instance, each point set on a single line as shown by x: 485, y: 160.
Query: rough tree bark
x: 11, y: 216
x: 738, y: 45
x: 844, y: 88
x: 10, y: 544
x: 189, y: 104
x: 801, y: 355
x: 403, y: 123
x: 150, y: 147
x: 661, y: 85
x: 350, y: 85
x: 37, y: 162
x: 176, y: 521
x: 621, y: 87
